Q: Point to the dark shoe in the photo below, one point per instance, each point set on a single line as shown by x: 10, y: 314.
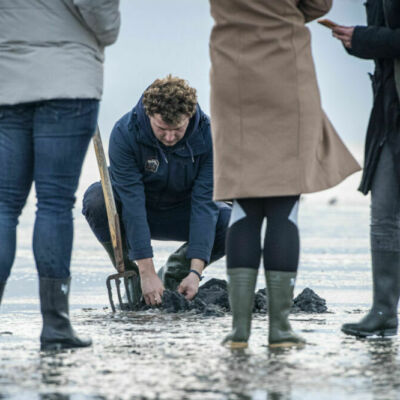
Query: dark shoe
x: 241, y: 286
x: 57, y: 332
x: 280, y: 286
x: 375, y: 323
x: 2, y: 286
x: 382, y: 318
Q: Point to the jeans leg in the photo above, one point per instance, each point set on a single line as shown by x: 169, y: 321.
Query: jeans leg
x: 221, y: 229
x: 16, y: 162
x: 62, y: 132
x: 385, y: 205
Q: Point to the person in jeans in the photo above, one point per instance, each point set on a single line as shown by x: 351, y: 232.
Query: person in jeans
x: 380, y: 41
x: 161, y: 169
x: 51, y: 75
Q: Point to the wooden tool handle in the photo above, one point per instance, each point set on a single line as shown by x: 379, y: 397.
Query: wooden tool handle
x: 112, y: 215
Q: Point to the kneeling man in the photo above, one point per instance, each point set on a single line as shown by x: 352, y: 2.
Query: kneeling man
x: 161, y: 168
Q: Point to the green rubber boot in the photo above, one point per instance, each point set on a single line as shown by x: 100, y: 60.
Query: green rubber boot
x: 134, y: 283
x: 2, y: 286
x: 280, y: 286
x: 176, y: 268
x: 382, y: 318
x: 241, y: 286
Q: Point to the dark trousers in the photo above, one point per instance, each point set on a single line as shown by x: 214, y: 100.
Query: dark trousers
x: 43, y: 142
x: 173, y: 224
x: 281, y: 242
x: 385, y: 204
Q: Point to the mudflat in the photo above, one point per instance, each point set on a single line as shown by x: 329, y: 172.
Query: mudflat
x: 158, y: 354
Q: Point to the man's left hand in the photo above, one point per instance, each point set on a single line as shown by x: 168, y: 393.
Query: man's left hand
x: 344, y: 34
x: 189, y: 286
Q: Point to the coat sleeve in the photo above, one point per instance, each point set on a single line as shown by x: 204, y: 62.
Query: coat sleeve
x: 372, y: 42
x: 127, y: 182
x: 313, y: 9
x: 102, y: 17
x: 204, y: 212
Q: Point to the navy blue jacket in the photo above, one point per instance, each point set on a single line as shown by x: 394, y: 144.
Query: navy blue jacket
x: 145, y: 175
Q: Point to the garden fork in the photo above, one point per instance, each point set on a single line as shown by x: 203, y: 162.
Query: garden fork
x: 115, y: 231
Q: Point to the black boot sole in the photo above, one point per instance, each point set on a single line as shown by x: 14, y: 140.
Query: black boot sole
x: 364, y: 334
x: 57, y: 346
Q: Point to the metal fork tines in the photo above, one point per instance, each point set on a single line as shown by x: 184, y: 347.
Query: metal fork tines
x: 126, y: 276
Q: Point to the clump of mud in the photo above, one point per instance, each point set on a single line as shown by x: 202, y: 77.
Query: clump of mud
x: 212, y: 301
x: 309, y: 301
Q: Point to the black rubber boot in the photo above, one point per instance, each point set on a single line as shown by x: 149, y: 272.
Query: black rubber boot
x: 241, y: 286
x: 2, y: 286
x: 57, y: 332
x: 382, y: 318
x: 280, y: 286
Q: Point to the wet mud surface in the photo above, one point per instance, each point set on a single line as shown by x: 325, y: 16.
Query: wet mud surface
x: 173, y: 354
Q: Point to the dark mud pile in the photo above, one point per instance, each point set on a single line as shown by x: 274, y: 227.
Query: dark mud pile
x: 212, y: 301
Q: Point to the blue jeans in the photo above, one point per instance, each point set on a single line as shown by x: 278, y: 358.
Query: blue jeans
x: 385, y: 205
x: 44, y: 142
x: 164, y: 225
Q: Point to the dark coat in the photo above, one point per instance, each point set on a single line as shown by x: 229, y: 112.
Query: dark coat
x: 380, y: 41
x: 147, y: 175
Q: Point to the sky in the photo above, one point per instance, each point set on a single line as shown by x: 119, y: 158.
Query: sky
x: 159, y: 37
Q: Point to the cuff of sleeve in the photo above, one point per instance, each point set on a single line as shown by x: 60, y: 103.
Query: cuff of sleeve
x: 138, y: 254
x: 197, y: 252
x: 356, y: 41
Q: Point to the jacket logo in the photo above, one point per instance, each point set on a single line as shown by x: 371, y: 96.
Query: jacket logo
x: 152, y: 165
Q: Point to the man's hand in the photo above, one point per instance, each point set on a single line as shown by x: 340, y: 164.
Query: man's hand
x: 190, y: 285
x: 152, y: 287
x: 344, y: 34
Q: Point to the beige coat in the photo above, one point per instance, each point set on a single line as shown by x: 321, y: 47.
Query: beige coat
x: 271, y: 137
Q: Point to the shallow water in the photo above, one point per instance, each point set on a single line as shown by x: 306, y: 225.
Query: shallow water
x: 153, y: 355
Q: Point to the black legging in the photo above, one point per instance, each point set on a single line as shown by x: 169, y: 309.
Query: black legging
x: 281, y: 244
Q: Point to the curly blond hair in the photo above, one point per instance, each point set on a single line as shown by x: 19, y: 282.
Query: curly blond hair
x: 172, y: 98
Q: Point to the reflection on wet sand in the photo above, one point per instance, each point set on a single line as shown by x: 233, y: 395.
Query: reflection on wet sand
x: 153, y: 355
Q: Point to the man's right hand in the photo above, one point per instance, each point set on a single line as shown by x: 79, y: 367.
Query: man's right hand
x: 152, y: 287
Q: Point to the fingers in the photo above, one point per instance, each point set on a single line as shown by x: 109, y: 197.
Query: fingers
x: 157, y: 299
x: 341, y: 36
x: 190, y: 293
x: 150, y: 300
x: 154, y: 298
x: 181, y: 289
x: 346, y: 40
x: 343, y: 30
x: 340, y: 30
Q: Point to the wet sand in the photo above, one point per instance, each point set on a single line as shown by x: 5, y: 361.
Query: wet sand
x: 158, y: 355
